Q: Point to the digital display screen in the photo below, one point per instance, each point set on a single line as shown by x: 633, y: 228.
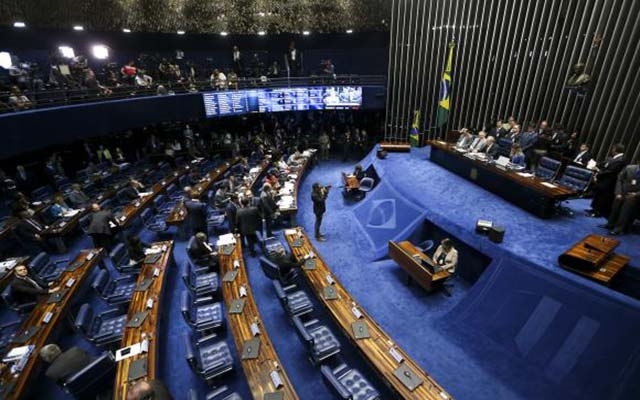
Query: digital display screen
x: 218, y: 104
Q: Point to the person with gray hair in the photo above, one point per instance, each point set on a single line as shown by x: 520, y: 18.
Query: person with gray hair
x: 63, y: 365
x: 148, y: 390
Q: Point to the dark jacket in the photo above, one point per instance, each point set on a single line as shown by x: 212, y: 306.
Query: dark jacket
x: 68, y: 363
x: 196, y: 215
x: 268, y: 205
x: 285, y: 262
x: 248, y: 220
x: 628, y: 180
x: 318, y: 197
x: 608, y: 173
x: 24, y: 292
x: 99, y: 223
x: 198, y: 251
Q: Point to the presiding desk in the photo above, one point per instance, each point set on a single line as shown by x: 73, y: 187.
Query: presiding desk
x: 409, y: 258
x: 350, y: 182
x: 383, y: 355
x: 593, y: 257
x: 530, y: 193
x: 34, y: 331
x: 288, y: 203
x: 156, y: 274
x: 258, y: 370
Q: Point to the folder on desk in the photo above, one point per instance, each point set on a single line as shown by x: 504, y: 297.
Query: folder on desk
x: 360, y: 329
x: 236, y: 306
x: 227, y: 249
x: 251, y: 349
x: 329, y: 293
x: 309, y: 263
x: 57, y: 296
x: 137, y: 319
x: 273, y: 396
x: 408, y: 377
x: 230, y: 276
x: 297, y: 242
x: 137, y: 369
x: 25, y: 335
x: 144, y: 285
x: 152, y: 258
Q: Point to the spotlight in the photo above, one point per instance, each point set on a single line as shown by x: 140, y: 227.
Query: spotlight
x: 67, y: 52
x: 100, y: 51
x: 180, y: 32
x: 126, y: 30
x: 19, y: 24
x: 349, y: 30
x: 223, y: 33
x: 306, y: 33
x: 262, y: 33
x: 78, y: 28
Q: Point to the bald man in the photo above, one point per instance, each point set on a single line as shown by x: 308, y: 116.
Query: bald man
x: 148, y: 390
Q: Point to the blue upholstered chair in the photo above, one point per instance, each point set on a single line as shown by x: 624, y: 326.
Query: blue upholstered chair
x: 119, y: 256
x: 45, y: 268
x: 295, y: 302
x: 121, y: 197
x: 320, y: 341
x: 199, y: 281
x: 154, y: 222
x: 202, y: 313
x: 7, y: 332
x: 208, y: 356
x: 547, y: 168
x: 576, y: 178
x: 349, y: 383
x: 114, y: 291
x: 92, y: 380
x: 10, y: 301
x: 221, y: 393
x: 102, y: 329
x: 270, y: 244
x: 215, y: 219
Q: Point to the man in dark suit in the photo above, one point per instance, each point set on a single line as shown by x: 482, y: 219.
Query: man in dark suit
x: 201, y: 252
x: 491, y: 149
x: 319, y: 196
x: 583, y: 155
x: 63, y: 365
x: 100, y: 228
x: 196, y: 213
x: 285, y: 262
x: 528, y: 141
x: 231, y: 210
x: 605, y: 182
x: 627, y: 199
x: 268, y: 207
x: 248, y: 222
x: 294, y: 59
x: 28, y: 288
x: 29, y: 230
x: 149, y: 390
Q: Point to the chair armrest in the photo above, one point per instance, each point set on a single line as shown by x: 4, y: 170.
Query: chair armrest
x: 279, y: 290
x: 26, y: 306
x: 337, y: 385
x: 213, y: 367
x: 302, y: 330
x: 113, y: 312
x: 62, y: 260
x: 203, y: 300
x: 206, y: 339
x: 219, y: 391
x: 102, y: 337
x: 188, y: 347
x: 289, y: 287
x: 311, y: 322
x: 125, y: 278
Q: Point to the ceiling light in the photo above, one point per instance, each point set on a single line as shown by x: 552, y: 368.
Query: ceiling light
x: 78, y: 28
x: 262, y: 33
x: 223, y: 33
x: 306, y: 33
x: 126, y: 30
x: 67, y: 51
x: 180, y: 32
x: 19, y: 24
x: 261, y: 14
x: 100, y: 51
x: 349, y: 30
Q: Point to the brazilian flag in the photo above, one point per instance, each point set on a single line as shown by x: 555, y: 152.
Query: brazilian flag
x: 414, y: 134
x: 445, y: 91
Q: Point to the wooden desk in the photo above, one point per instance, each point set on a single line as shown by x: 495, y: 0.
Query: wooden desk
x: 408, y: 258
x: 42, y: 337
x: 532, y: 194
x: 350, y: 182
x: 256, y: 370
x: 133, y: 209
x: 376, y: 348
x: 151, y: 324
x: 593, y: 257
x: 292, y: 210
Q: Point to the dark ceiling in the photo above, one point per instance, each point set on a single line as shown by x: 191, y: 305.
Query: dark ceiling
x: 201, y: 16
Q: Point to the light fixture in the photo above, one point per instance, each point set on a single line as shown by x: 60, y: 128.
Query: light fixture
x: 100, y: 51
x: 126, y: 30
x: 349, y: 30
x: 78, y: 28
x: 180, y: 32
x: 19, y: 24
x: 5, y: 60
x: 67, y: 51
x: 223, y: 33
x: 306, y: 33
x: 262, y: 33
x: 261, y: 14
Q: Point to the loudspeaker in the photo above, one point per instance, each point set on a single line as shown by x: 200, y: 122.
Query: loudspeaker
x: 382, y: 154
x: 483, y: 226
x: 496, y: 234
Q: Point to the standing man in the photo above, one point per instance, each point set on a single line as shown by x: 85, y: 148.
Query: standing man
x: 605, y: 182
x: 100, y: 228
x: 625, y: 204
x: 319, y: 196
x: 268, y: 207
x: 196, y: 213
x: 294, y: 59
x: 237, y: 61
x: 247, y: 223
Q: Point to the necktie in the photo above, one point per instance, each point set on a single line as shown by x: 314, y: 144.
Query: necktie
x: 32, y: 282
x: 33, y: 223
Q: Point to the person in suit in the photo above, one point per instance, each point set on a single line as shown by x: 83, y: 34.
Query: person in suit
x: 248, y: 222
x: 479, y: 143
x: 28, y: 288
x: 604, y: 182
x: 358, y: 172
x: 196, y: 213
x: 528, y: 142
x: 136, y: 248
x: 498, y: 130
x: 237, y: 61
x: 294, y: 59
x: 515, y: 134
x: 465, y: 139
x: 285, y: 262
x: 268, y: 207
x: 319, y: 196
x: 231, y: 210
x: 583, y: 156
x: 200, y: 251
x: 446, y: 256
x: 29, y: 230
x: 63, y: 365
x: 148, y: 390
x: 77, y: 196
x: 100, y: 229
x: 59, y: 207
x: 491, y: 149
x: 627, y: 199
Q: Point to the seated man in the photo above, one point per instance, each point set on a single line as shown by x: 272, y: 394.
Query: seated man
x: 148, y: 390
x: 285, y: 262
x: 28, y: 288
x: 491, y: 149
x: 77, y: 196
x: 479, y: 143
x: 446, y: 256
x: 626, y: 202
x: 465, y: 139
x: 201, y: 251
x: 63, y: 365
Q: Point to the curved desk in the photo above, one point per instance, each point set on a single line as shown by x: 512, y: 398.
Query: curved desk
x: 291, y: 210
x: 379, y: 350
x: 150, y: 324
x: 258, y: 370
x: 16, y: 386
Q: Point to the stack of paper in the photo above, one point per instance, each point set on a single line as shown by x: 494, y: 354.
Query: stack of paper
x: 286, y: 201
x: 70, y: 213
x: 226, y: 239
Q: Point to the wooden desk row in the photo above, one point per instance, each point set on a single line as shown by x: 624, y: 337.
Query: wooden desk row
x: 37, y: 332
x: 257, y: 370
x: 409, y: 258
x: 378, y: 349
x: 157, y: 273
x: 292, y: 210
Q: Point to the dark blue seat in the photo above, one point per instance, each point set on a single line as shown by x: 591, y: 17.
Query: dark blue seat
x: 114, y: 291
x: 92, y: 380
x: 198, y: 280
x: 576, y: 178
x: 10, y: 301
x: 84, y: 223
x: 547, y: 168
x: 295, y: 302
x: 41, y: 193
x: 349, y: 383
x: 155, y: 223
x: 102, y: 329
x: 221, y: 393
x: 45, y: 268
x: 122, y: 198
x: 270, y: 244
x: 320, y: 341
x: 120, y: 260
x: 208, y: 356
x: 215, y: 219
x: 201, y: 313
x: 7, y: 332
x: 199, y: 261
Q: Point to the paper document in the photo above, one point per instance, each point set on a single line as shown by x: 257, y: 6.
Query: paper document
x: 525, y: 174
x: 549, y: 185
x: 226, y: 239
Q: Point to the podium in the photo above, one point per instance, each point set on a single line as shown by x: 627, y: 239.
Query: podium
x: 593, y: 257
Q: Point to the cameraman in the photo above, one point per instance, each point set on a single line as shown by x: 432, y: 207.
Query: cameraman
x: 319, y: 196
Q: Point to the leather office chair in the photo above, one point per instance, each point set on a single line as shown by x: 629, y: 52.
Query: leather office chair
x: 199, y: 281
x: 295, y: 302
x: 270, y: 244
x: 10, y: 301
x: 576, y: 178
x: 208, y: 356
x: 103, y: 329
x: 119, y: 256
x: 349, y: 383
x: 155, y: 223
x: 547, y: 168
x: 273, y: 271
x: 93, y: 379
x: 215, y: 219
x: 114, y: 291
x: 45, y: 268
x: 121, y: 197
x: 202, y: 313
x: 320, y: 341
x: 221, y: 393
x: 7, y: 332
